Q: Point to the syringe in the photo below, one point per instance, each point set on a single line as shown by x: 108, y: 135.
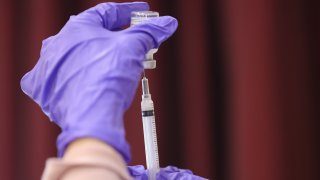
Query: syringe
x: 149, y: 131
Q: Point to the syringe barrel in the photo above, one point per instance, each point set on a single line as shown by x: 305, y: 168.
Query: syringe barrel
x: 151, y: 147
x: 150, y: 135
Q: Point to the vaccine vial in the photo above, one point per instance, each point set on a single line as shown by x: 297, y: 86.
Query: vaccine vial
x: 136, y: 18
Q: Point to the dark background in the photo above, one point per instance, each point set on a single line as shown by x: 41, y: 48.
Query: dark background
x: 236, y: 89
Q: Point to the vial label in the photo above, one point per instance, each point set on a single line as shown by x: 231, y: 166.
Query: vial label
x: 139, y: 16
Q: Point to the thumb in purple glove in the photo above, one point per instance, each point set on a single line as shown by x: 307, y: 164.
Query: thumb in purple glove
x: 138, y: 172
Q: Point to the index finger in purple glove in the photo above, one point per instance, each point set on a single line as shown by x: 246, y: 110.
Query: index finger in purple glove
x: 111, y: 15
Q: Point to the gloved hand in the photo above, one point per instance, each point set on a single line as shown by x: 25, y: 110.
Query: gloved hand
x: 167, y: 173
x: 88, y: 73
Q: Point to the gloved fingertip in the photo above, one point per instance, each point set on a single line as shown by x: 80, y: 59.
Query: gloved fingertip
x: 159, y: 29
x: 24, y: 84
x: 170, y: 169
x: 124, y: 11
x: 168, y: 24
x: 166, y: 21
x: 136, y: 170
x: 111, y: 15
x: 138, y: 6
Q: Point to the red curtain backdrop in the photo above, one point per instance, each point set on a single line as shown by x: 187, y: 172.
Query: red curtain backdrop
x: 236, y: 89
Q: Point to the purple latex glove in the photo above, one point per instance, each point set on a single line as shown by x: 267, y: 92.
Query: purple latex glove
x: 88, y: 73
x: 167, y: 173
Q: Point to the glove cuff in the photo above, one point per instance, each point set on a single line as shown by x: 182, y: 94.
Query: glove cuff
x: 111, y: 136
